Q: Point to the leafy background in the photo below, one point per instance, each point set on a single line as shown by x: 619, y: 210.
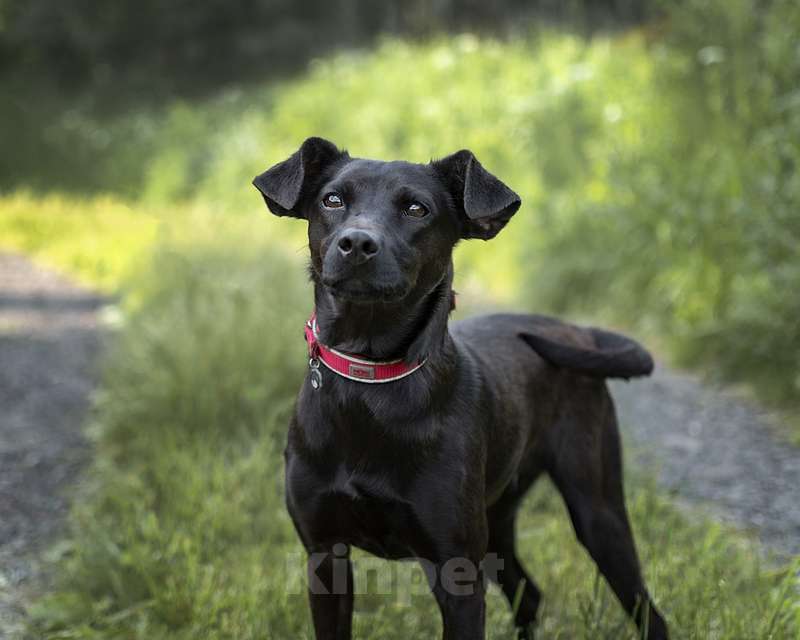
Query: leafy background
x: 658, y: 164
x: 656, y: 147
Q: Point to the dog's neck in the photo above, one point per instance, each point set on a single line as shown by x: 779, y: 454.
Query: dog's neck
x: 412, y: 328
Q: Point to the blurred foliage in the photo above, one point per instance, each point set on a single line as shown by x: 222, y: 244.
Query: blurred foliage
x: 658, y: 167
x: 688, y: 222
x: 191, y: 46
x: 184, y: 535
x: 70, y: 68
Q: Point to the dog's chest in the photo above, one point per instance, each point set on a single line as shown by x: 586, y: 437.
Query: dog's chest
x: 365, y: 509
x: 374, y: 515
x: 349, y: 479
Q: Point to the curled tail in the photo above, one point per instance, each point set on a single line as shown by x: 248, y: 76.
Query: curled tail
x: 611, y: 356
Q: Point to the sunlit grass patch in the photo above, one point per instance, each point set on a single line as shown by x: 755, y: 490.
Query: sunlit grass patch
x: 94, y: 239
x: 104, y: 241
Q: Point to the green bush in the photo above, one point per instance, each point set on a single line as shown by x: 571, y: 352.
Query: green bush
x: 694, y: 234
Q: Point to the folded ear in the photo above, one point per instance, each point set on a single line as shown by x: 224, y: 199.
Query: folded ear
x: 484, y: 202
x: 283, y: 184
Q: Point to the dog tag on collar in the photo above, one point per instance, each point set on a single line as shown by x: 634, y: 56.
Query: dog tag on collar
x: 315, y: 373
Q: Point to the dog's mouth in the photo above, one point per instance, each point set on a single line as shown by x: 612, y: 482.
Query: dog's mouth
x: 358, y: 290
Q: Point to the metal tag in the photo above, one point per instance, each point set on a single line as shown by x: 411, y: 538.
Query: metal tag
x: 315, y: 374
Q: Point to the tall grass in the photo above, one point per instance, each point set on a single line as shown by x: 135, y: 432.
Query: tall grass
x: 183, y: 533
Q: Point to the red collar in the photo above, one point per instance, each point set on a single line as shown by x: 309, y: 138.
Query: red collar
x: 355, y: 368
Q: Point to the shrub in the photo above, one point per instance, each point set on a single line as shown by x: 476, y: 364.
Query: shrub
x: 689, y: 226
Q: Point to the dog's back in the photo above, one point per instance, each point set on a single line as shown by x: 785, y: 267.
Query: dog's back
x: 586, y: 350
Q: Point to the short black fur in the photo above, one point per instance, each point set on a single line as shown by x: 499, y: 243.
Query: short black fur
x: 434, y: 466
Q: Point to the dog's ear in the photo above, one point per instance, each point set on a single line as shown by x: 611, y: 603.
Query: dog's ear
x: 484, y: 202
x: 283, y: 184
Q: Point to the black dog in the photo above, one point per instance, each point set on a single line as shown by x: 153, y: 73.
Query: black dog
x: 434, y: 463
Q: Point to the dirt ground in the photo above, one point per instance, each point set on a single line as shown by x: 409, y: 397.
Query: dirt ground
x: 49, y: 343
x: 716, y: 448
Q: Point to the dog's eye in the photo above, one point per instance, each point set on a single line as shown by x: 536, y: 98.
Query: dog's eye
x: 332, y: 201
x: 416, y: 210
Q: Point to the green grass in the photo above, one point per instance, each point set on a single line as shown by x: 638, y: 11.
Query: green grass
x: 183, y: 533
x: 96, y: 240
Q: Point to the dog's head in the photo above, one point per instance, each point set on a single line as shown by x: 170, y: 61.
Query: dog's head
x: 379, y: 230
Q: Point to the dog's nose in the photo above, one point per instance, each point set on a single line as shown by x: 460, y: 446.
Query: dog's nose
x: 358, y: 245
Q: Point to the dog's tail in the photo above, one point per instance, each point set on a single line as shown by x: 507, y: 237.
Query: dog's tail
x: 611, y: 356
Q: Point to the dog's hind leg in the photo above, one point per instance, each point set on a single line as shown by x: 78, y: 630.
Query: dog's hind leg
x: 518, y: 587
x: 587, y: 469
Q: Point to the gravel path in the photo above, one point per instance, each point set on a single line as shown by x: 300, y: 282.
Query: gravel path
x: 49, y: 340
x: 712, y: 447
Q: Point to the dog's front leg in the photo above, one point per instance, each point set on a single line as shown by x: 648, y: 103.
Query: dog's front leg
x: 459, y: 592
x: 330, y: 592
